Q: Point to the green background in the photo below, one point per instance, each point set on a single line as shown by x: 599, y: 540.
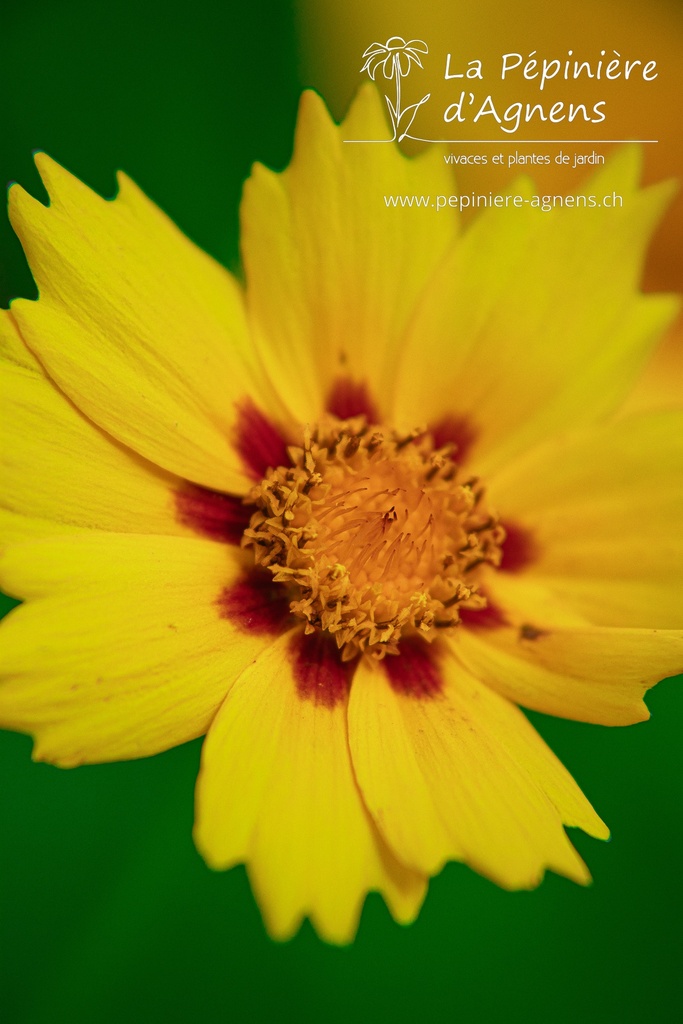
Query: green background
x: 108, y: 914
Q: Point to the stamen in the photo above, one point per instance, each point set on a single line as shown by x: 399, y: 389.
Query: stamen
x: 372, y: 536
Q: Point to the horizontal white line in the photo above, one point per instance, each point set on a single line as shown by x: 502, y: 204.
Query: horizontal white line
x: 518, y: 142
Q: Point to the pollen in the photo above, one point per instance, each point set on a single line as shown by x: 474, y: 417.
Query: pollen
x: 374, y: 534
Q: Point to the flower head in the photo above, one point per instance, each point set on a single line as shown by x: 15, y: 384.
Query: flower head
x: 344, y: 519
x: 394, y: 57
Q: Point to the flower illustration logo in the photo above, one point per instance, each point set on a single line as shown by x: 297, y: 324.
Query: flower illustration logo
x: 395, y: 58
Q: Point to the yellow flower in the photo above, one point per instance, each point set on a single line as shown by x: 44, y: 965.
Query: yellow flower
x: 443, y: 517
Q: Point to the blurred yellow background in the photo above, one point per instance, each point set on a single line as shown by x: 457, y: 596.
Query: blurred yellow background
x: 334, y: 37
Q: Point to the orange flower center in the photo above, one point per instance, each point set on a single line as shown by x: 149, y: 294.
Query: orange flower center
x: 374, y: 534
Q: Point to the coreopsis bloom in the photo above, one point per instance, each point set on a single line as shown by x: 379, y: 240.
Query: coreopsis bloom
x: 343, y: 519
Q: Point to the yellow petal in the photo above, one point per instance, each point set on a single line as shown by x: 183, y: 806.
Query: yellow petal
x: 124, y: 648
x: 59, y: 471
x: 459, y: 774
x: 276, y: 790
x: 143, y: 331
x: 520, y: 596
x: 332, y: 273
x: 533, y: 322
x: 593, y: 674
x: 604, y: 510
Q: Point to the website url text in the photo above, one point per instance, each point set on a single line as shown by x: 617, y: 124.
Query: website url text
x: 476, y: 201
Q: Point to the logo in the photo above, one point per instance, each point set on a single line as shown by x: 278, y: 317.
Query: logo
x: 394, y: 59
x: 472, y: 100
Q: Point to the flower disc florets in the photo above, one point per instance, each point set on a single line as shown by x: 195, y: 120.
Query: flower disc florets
x: 374, y: 533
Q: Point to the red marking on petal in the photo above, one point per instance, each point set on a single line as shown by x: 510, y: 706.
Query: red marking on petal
x: 349, y: 398
x: 321, y: 676
x: 456, y: 430
x: 258, y: 440
x: 212, y: 514
x: 255, y: 604
x: 413, y: 672
x: 490, y: 617
x: 519, y: 548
